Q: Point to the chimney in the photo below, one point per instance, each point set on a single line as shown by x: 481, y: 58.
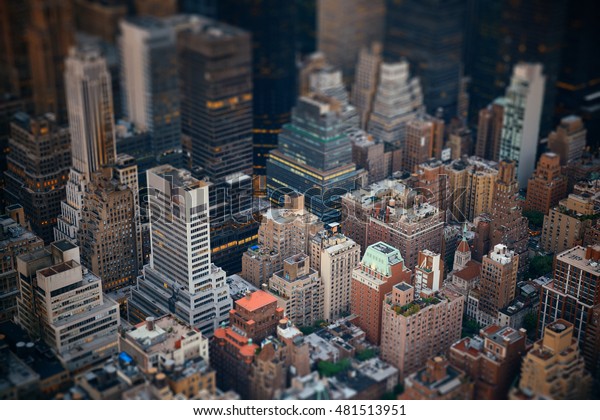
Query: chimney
x: 248, y: 294
x: 150, y: 323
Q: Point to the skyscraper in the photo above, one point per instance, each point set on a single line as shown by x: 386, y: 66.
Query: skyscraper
x: 569, y: 139
x: 38, y: 169
x: 489, y: 130
x: 216, y: 109
x: 149, y: 83
x: 521, y: 119
x: 547, y: 186
x: 180, y: 278
x: 424, y: 136
x: 91, y: 121
x: 366, y: 80
x: 430, y: 35
x: 15, y: 72
x: 346, y: 26
x: 314, y: 157
x: 49, y: 37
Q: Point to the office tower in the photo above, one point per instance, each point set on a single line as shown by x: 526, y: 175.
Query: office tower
x: 216, y: 109
x: 15, y: 239
x: 489, y: 130
x: 547, y: 186
x: 298, y: 290
x: 9, y: 105
x: 15, y: 73
x: 92, y: 127
x: 569, y: 139
x: 233, y: 349
x: 565, y: 225
x: 158, y: 8
x: 396, y: 102
x: 366, y: 80
x: 537, y: 30
x: 343, y: 28
x: 431, y: 180
x: 380, y: 159
x: 498, y: 282
x: 424, y: 136
x: 574, y: 295
x: 438, y: 380
x: 180, y: 278
x: 108, y: 235
x: 508, y: 226
x: 200, y: 7
x: 430, y: 35
x: 283, y: 232
x: 491, y: 359
x: 272, y: 25
x: 334, y: 256
x: 63, y: 304
x: 49, y: 37
x: 38, y: 167
x: 415, y: 328
x: 554, y: 368
x: 471, y: 182
x: 380, y: 269
x: 521, y: 121
x: 149, y: 83
x: 314, y: 157
x: 100, y: 18
x: 429, y: 272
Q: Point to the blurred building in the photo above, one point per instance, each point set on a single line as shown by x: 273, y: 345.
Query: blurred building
x: 489, y: 130
x: 15, y: 71
x: 38, y: 168
x: 100, y: 17
x: 547, y: 186
x: 424, y: 140
x: 158, y: 8
x: 438, y: 380
x: 521, y: 121
x: 380, y: 269
x: 380, y: 159
x: 366, y: 81
x: 569, y: 139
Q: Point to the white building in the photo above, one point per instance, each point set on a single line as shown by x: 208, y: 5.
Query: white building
x: 521, y: 123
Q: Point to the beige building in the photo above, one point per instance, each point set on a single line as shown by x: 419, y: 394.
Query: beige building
x: 334, y: 256
x: 415, y: 328
x: 366, y: 80
x: 429, y: 272
x: 568, y: 141
x: 554, y: 369
x: 163, y: 343
x: 298, y: 290
x: 424, y: 135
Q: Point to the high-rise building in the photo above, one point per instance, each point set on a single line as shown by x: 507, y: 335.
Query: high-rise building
x: 344, y: 27
x: 521, y: 120
x: 424, y: 137
x: 554, y: 368
x: 430, y: 34
x: 380, y: 269
x: 537, y: 34
x: 491, y: 359
x: 334, y: 256
x: 415, y: 328
x: 9, y: 106
x: 498, y: 282
x: 15, y: 239
x: 150, y: 83
x: 574, y: 295
x: 508, y: 226
x: 298, y: 290
x: 569, y: 139
x: 180, y: 278
x: 233, y: 349
x: 378, y: 158
x: 216, y: 109
x: 429, y: 272
x: 438, y: 380
x: 314, y: 158
x: 50, y: 34
x: 15, y: 72
x: 396, y: 102
x: 489, y: 130
x: 272, y: 25
x: 38, y: 168
x: 547, y: 186
x: 63, y: 304
x: 366, y: 80
x: 158, y: 8
x: 100, y: 17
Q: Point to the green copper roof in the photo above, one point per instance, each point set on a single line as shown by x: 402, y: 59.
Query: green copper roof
x: 380, y: 257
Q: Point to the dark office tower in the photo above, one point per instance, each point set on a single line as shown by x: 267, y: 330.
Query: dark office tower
x: 314, y: 157
x: 38, y: 169
x: 9, y: 105
x: 215, y: 62
x: 49, y: 35
x: 504, y: 33
x: 306, y: 26
x: 271, y: 23
x: 208, y: 8
x: 429, y: 33
x: 14, y: 60
x: 577, y: 87
x: 150, y: 83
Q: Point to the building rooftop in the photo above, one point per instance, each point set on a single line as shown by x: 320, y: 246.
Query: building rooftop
x: 380, y: 257
x: 238, y: 287
x: 471, y: 271
x: 181, y: 178
x: 161, y: 335
x: 502, y: 335
x: 580, y: 257
x: 256, y: 300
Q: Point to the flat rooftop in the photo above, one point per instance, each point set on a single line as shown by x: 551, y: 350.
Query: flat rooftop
x: 178, y: 177
x: 256, y: 300
x: 165, y: 335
